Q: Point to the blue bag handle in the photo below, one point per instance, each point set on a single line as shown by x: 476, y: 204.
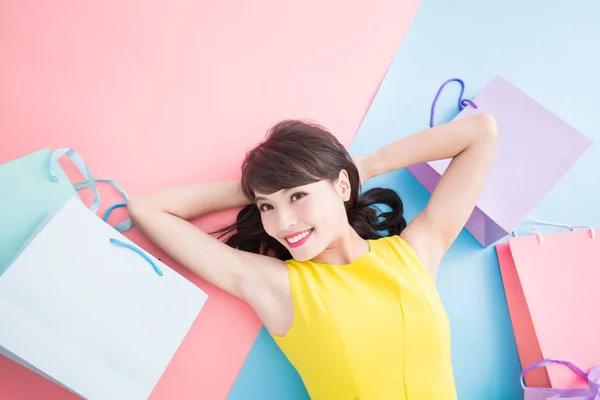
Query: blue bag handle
x: 123, y: 226
x: 86, y: 184
x: 81, y: 166
x: 90, y: 182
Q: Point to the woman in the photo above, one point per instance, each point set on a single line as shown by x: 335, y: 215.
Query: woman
x: 348, y: 296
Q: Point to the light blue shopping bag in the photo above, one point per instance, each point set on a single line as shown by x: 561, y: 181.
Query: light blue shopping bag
x: 79, y: 302
x: 33, y: 186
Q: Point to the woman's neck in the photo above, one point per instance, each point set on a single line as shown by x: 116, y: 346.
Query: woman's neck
x: 345, y: 249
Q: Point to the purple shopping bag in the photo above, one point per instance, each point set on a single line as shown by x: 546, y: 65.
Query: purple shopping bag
x: 535, y: 149
x: 590, y: 393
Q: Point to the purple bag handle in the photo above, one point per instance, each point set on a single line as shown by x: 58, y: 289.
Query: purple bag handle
x: 594, y: 381
x: 462, y: 103
x: 593, y: 377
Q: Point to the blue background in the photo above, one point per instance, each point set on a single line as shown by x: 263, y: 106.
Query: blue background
x: 551, y: 50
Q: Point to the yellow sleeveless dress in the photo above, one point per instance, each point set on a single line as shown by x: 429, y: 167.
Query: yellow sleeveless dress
x: 374, y: 329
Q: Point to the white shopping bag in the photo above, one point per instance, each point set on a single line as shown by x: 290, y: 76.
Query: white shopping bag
x: 85, y: 307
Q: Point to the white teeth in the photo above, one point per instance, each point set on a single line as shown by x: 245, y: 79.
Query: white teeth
x: 298, y: 237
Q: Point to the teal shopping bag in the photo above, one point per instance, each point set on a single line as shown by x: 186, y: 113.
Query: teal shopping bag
x: 33, y: 186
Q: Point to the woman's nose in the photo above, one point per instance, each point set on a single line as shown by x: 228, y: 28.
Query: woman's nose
x: 286, y: 218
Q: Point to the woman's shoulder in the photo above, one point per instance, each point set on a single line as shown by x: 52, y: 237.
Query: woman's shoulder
x: 392, y: 243
x: 396, y: 247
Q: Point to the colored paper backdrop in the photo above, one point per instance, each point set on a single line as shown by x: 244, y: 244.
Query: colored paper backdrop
x: 167, y: 93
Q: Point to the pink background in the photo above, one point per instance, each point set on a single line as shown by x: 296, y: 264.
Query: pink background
x: 155, y: 94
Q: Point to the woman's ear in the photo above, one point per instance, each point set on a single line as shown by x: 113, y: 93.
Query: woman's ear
x: 343, y: 185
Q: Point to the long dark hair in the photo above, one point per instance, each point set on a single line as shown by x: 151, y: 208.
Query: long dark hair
x: 297, y: 153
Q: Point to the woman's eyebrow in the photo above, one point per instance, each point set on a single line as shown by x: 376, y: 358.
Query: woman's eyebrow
x: 257, y: 198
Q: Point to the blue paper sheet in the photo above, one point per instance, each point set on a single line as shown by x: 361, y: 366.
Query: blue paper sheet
x: 267, y: 374
x: 543, y: 47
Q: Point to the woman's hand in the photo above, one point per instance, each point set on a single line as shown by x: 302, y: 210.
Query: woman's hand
x: 368, y: 166
x: 359, y: 162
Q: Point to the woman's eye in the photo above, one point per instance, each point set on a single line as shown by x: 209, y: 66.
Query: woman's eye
x: 265, y: 207
x: 298, y: 196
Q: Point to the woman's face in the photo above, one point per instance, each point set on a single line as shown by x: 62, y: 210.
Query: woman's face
x: 306, y: 219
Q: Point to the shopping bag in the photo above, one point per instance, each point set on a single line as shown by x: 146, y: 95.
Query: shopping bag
x: 31, y: 187
x: 534, y: 145
x: 88, y: 309
x: 551, y: 286
x: 591, y: 392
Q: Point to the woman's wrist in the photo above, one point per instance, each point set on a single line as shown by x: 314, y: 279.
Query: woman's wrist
x: 369, y: 165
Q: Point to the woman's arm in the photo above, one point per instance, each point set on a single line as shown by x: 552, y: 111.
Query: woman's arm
x: 471, y: 143
x: 193, y: 201
x: 164, y: 218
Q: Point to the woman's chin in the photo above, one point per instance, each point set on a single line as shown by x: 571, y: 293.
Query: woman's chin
x: 306, y: 252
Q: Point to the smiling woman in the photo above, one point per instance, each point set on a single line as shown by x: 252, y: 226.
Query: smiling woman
x: 296, y: 179
x: 355, y: 311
